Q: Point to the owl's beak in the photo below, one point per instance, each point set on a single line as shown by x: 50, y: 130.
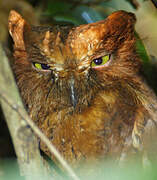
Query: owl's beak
x: 73, y: 98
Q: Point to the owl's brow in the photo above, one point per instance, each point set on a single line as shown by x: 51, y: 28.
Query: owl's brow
x: 35, y: 47
x: 36, y: 54
x: 41, y: 29
x: 99, y: 53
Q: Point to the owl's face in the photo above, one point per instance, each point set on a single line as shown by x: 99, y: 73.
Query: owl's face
x: 67, y: 67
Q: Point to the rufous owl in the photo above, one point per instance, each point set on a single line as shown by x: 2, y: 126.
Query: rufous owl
x: 83, y: 87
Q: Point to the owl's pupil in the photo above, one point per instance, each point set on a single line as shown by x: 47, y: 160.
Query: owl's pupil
x: 45, y: 66
x: 98, y: 61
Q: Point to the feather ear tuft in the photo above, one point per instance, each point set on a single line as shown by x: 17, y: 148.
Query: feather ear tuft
x: 124, y: 16
x: 121, y: 23
x: 17, y: 26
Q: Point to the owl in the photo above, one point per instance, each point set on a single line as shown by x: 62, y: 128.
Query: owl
x: 83, y: 87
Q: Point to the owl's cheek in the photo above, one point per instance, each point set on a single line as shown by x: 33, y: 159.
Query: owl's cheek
x: 42, y: 72
x: 21, y: 58
x: 100, y: 72
x: 102, y: 67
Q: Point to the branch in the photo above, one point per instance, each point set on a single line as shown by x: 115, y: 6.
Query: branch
x: 25, y: 142
x: 18, y: 122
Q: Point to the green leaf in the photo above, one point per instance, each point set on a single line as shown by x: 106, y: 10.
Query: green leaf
x: 149, y: 69
x: 141, y: 50
x: 118, y: 5
x: 66, y: 18
x: 55, y: 7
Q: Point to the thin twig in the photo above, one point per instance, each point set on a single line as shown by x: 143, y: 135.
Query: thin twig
x: 24, y: 141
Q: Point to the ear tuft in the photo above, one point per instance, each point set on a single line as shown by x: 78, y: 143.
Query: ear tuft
x: 123, y: 15
x: 121, y: 22
x: 16, y: 26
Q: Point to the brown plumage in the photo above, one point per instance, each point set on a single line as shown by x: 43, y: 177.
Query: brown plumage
x: 90, y: 108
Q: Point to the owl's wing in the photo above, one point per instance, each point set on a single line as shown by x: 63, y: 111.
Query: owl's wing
x: 145, y: 128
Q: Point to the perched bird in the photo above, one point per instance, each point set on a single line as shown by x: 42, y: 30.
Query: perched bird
x: 83, y: 87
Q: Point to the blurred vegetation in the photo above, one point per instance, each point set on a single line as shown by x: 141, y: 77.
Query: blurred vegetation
x: 79, y: 12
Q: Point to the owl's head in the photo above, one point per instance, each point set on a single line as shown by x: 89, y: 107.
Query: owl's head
x: 67, y: 67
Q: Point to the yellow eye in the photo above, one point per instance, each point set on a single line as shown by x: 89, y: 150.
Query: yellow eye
x: 100, y: 61
x: 41, y: 66
x: 38, y: 65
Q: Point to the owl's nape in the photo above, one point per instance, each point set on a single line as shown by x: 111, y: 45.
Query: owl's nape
x: 83, y: 87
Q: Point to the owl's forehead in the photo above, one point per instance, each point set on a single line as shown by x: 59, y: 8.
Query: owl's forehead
x: 86, y: 39
x: 73, y: 44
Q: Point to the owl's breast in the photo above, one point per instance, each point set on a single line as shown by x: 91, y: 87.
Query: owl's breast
x: 102, y: 130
